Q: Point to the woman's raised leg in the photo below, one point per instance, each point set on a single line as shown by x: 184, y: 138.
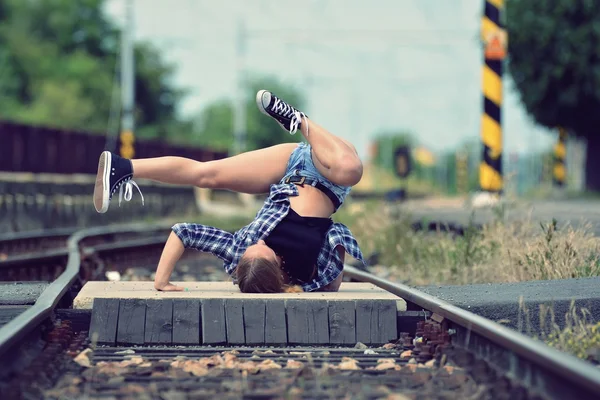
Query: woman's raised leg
x: 334, y: 157
x: 251, y: 172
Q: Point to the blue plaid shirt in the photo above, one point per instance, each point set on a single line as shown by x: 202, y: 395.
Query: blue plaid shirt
x: 230, y: 247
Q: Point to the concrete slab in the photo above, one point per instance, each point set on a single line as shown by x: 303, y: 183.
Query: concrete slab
x: 21, y: 293
x: 222, y: 290
x: 502, y: 301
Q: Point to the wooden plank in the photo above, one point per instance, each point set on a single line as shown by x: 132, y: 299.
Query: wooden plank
x: 186, y: 321
x: 297, y: 321
x: 318, y: 322
x: 222, y: 290
x: 342, y: 322
x: 275, y: 324
x: 234, y: 317
x: 364, y: 311
x: 132, y: 317
x: 308, y: 322
x: 385, y: 322
x: 214, y: 330
x: 254, y: 321
x: 159, y: 321
x: 103, y: 324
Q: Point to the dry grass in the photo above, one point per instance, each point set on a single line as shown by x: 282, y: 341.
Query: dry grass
x: 580, y: 336
x: 500, y: 252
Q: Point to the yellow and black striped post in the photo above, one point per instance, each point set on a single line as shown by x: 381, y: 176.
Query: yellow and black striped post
x: 494, y: 37
x: 559, y: 171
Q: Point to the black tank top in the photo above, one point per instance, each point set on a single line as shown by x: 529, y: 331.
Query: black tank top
x: 298, y: 241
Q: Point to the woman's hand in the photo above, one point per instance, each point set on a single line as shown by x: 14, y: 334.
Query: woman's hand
x: 168, y: 287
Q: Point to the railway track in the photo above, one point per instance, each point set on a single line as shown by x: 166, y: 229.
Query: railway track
x: 442, y: 352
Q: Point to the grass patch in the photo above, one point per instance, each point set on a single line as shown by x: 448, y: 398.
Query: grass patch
x: 500, y: 252
x: 580, y: 336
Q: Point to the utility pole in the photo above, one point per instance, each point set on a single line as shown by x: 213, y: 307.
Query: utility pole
x: 491, y: 179
x: 494, y: 35
x: 127, y: 84
x: 239, y: 112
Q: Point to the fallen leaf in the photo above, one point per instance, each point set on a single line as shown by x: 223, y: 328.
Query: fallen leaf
x: 83, y: 358
x: 230, y: 360
x: 294, y: 364
x: 249, y: 367
x: 263, y: 352
x: 412, y: 367
x: 348, y: 363
x: 136, y: 360
x: 397, y: 396
x: 269, y: 364
x: 388, y: 365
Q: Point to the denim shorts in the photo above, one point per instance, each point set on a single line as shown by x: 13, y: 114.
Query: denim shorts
x: 301, y: 163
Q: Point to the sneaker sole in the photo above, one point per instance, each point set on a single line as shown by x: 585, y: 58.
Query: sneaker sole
x: 263, y: 110
x: 259, y: 102
x: 101, y: 189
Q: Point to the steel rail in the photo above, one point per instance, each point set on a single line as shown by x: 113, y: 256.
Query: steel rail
x: 45, y: 304
x: 565, y: 365
x: 37, y: 234
x: 45, y: 255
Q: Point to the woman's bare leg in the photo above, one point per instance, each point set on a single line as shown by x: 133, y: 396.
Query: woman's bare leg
x: 334, y: 157
x: 251, y: 172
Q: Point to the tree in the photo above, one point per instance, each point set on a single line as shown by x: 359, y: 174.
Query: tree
x: 58, y: 60
x: 554, y: 50
x: 215, y: 124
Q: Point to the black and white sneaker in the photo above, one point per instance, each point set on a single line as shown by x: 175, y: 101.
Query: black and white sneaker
x: 113, y: 172
x: 287, y: 116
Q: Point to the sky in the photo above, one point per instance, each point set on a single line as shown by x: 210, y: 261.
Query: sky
x: 363, y: 67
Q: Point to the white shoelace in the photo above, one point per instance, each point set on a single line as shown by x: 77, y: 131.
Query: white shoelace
x: 129, y: 191
x: 284, y: 109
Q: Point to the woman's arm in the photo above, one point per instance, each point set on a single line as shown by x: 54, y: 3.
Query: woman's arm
x: 169, y: 257
x: 195, y: 236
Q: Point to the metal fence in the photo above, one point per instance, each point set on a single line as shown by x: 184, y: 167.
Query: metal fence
x: 34, y: 149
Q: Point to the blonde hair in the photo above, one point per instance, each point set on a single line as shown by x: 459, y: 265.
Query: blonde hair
x: 262, y: 275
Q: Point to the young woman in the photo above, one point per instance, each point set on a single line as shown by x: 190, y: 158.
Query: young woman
x: 292, y: 242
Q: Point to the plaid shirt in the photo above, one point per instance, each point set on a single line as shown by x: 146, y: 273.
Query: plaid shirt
x: 230, y: 247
